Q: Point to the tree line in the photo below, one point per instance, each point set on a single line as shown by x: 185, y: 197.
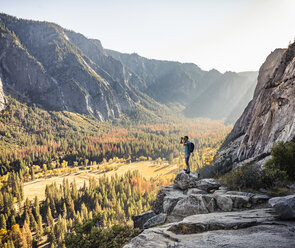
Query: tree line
x: 31, y: 136
x: 66, y: 207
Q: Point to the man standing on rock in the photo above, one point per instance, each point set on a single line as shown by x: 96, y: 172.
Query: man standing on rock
x: 187, y: 152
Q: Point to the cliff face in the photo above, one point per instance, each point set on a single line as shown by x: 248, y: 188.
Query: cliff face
x: 22, y: 75
x: 49, y: 66
x: 269, y: 117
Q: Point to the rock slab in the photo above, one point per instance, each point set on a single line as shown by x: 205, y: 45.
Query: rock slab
x: 156, y: 220
x: 250, y: 228
x: 284, y: 206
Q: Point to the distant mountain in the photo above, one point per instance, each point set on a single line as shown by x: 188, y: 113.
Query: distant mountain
x: 226, y: 98
x: 165, y: 81
x: 45, y: 64
x: 208, y: 94
x: 58, y: 69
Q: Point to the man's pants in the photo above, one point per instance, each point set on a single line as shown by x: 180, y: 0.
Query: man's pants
x: 187, y: 162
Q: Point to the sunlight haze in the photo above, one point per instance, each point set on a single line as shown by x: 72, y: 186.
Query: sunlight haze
x: 228, y: 35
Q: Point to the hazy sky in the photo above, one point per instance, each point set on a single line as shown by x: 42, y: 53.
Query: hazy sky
x: 234, y: 35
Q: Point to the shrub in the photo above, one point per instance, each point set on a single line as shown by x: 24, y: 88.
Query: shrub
x: 247, y: 176
x: 275, y: 174
x: 282, y: 161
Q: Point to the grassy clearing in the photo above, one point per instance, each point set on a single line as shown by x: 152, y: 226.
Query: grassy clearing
x: 148, y: 169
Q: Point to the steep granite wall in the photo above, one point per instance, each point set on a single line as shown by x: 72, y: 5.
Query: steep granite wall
x: 39, y: 62
x: 270, y: 115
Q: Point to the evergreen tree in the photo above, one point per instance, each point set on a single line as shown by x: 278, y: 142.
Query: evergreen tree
x: 27, y: 235
x: 64, y: 210
x: 12, y: 220
x: 2, y: 222
x: 40, y: 231
x: 49, y: 218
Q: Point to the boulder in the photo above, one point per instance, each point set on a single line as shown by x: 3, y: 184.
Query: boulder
x: 167, y: 198
x: 292, y: 186
x: 193, y: 204
x: 224, y: 202
x: 207, y: 184
x: 259, y: 198
x: 262, y: 190
x: 224, y: 221
x: 195, y: 191
x: 210, y: 202
x: 156, y: 220
x: 140, y: 219
x: 241, y: 201
x: 284, y: 206
x: 177, y: 203
x: 219, y: 192
x: 185, y: 181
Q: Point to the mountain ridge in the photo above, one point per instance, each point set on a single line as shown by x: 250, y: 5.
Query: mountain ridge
x: 193, y: 91
x: 73, y: 73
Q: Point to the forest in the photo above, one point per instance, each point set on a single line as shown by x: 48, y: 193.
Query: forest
x: 35, y: 143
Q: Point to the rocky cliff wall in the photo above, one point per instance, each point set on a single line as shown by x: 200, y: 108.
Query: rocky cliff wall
x: 270, y: 115
x: 41, y: 64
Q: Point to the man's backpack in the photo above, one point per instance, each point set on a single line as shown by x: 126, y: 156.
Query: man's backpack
x: 191, y: 147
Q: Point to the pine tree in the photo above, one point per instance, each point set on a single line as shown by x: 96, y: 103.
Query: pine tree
x: 32, y: 174
x: 12, y: 220
x: 97, y: 207
x: 2, y: 222
x: 49, y: 218
x: 33, y: 223
x: 27, y: 235
x: 36, y: 206
x: 51, y: 235
x: 64, y: 210
x: 27, y: 218
x: 40, y: 228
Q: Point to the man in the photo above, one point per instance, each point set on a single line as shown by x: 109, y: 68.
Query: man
x: 187, y: 153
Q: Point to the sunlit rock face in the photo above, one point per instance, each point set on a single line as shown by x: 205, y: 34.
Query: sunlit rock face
x: 269, y: 117
x: 58, y: 69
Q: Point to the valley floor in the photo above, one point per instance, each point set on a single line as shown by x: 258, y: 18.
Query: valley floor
x: 148, y: 169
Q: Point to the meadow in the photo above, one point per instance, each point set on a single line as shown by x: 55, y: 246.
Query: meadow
x: 149, y: 169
